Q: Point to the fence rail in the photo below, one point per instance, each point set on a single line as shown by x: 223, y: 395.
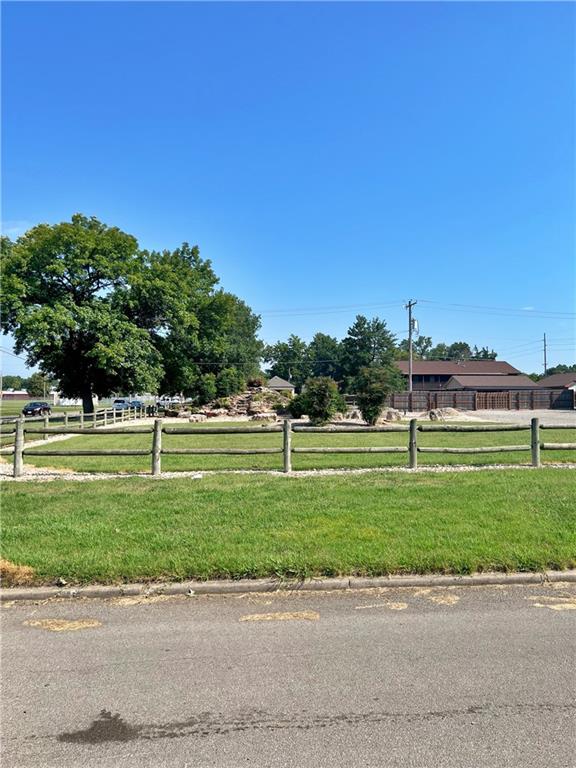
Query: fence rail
x: 156, y: 450
x: 86, y: 422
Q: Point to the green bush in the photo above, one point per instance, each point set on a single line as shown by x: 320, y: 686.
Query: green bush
x: 372, y: 386
x: 229, y: 381
x: 206, y: 388
x: 320, y: 400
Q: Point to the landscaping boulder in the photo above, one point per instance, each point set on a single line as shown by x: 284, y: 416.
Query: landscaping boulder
x: 197, y: 417
x: 390, y: 414
x: 264, y: 416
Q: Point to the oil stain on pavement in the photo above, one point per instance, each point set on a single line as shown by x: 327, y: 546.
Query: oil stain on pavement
x: 110, y: 727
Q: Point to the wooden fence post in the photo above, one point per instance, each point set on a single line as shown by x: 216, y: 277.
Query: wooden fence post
x: 157, y: 448
x: 46, y: 425
x: 81, y: 419
x: 287, y: 445
x: 65, y: 418
x: 535, y: 442
x: 94, y: 418
x: 18, y: 448
x: 413, y: 444
x: 113, y: 415
x: 105, y: 417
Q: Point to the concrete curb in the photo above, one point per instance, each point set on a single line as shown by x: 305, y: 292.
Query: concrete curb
x: 275, y: 585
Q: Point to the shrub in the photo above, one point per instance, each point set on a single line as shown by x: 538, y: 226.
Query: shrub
x: 206, y: 388
x: 320, y: 400
x: 256, y: 381
x: 372, y: 386
x: 229, y: 381
x: 297, y: 407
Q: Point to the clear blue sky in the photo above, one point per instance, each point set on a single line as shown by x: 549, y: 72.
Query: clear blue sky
x: 330, y: 158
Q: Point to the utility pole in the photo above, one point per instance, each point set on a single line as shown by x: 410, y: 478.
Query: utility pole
x: 410, y: 324
x: 545, y: 363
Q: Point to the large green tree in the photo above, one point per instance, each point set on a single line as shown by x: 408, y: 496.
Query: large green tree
x: 325, y: 355
x: 290, y: 360
x: 368, y: 344
x: 58, y: 291
x: 421, y: 347
x: 198, y: 328
x: 101, y: 316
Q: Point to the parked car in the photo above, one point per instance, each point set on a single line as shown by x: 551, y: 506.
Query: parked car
x: 36, y: 408
x: 121, y: 404
x: 136, y: 404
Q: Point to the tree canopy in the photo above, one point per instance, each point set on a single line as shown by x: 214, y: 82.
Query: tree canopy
x: 102, y: 316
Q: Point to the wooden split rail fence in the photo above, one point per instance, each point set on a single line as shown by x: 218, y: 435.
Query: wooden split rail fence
x: 84, y: 421
x: 156, y: 451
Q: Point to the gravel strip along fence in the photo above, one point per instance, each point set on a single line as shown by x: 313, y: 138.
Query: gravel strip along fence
x: 35, y: 474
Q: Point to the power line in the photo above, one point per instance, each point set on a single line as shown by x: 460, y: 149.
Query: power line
x: 8, y: 352
x: 508, y: 311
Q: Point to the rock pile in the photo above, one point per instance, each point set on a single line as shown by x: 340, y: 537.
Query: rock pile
x: 256, y: 403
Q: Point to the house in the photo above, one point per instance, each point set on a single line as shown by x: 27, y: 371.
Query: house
x: 276, y: 384
x: 490, y: 383
x: 435, y: 374
x: 559, y: 381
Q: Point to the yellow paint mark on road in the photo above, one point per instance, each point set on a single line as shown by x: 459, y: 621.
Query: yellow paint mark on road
x: 390, y: 606
x: 444, y: 599
x: 555, y: 602
x: 63, y: 625
x: 282, y: 616
x: 141, y: 599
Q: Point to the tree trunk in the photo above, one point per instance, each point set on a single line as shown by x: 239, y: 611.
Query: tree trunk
x: 87, y: 402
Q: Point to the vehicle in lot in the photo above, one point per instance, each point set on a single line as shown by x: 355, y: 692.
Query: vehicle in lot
x: 36, y: 408
x: 136, y: 404
x: 121, y: 404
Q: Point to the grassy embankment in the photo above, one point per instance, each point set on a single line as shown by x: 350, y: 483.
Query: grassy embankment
x: 253, y: 526
x: 299, y: 461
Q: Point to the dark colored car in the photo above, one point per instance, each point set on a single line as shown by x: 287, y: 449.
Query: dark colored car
x: 36, y: 408
x: 136, y: 404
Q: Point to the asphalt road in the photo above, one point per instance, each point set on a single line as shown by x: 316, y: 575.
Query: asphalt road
x: 452, y: 677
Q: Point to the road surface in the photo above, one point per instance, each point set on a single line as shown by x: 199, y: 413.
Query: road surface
x: 465, y: 677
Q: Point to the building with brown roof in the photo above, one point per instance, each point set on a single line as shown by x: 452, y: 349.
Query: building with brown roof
x: 435, y: 374
x: 490, y: 383
x: 559, y: 381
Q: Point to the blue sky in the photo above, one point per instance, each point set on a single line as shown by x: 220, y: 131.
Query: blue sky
x: 330, y: 158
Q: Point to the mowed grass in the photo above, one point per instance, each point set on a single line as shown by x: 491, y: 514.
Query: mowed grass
x: 299, y: 461
x: 234, y: 526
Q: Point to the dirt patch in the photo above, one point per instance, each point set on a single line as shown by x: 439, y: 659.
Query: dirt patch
x: 63, y: 625
x: 12, y: 575
x: 282, y: 616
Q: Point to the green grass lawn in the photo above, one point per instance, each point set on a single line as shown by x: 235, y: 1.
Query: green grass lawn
x: 254, y: 526
x: 299, y: 461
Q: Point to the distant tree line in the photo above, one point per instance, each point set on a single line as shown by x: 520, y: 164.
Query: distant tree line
x: 367, y: 344
x: 37, y: 385
x: 552, y: 371
x: 94, y: 311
